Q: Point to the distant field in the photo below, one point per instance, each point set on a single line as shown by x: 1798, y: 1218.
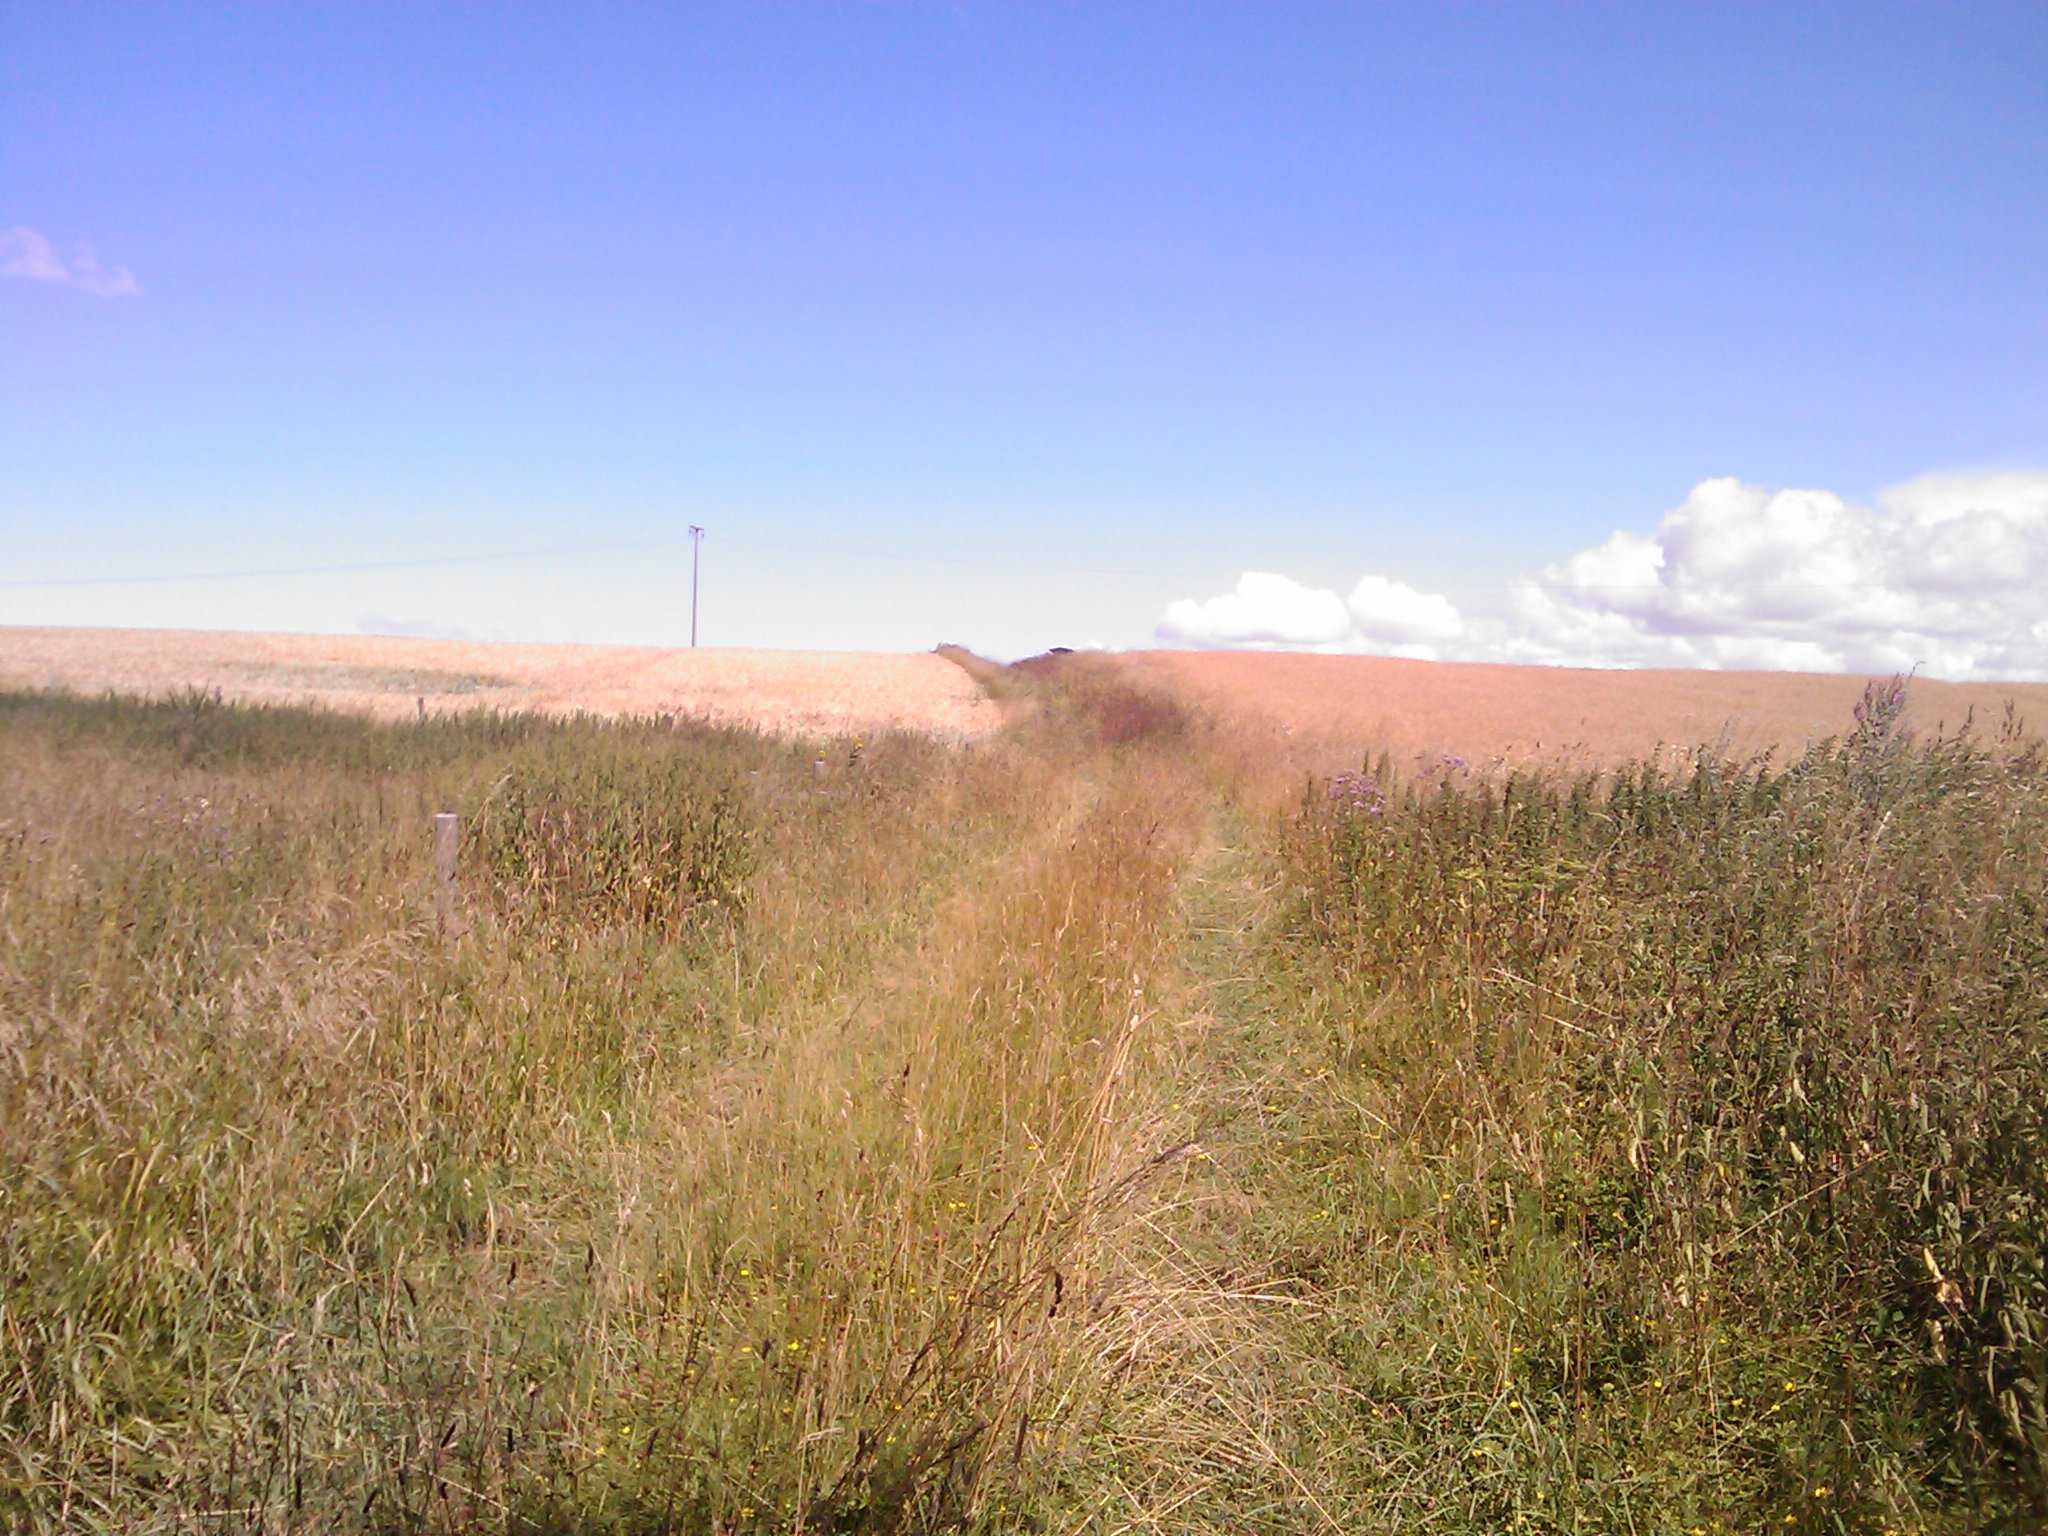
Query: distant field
x: 1325, y: 706
x: 796, y: 692
x: 1544, y: 714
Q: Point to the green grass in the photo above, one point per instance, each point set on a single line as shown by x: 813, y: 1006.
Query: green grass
x: 1033, y: 1135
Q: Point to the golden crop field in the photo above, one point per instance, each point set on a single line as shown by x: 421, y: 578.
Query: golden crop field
x: 1558, y: 716
x: 788, y: 692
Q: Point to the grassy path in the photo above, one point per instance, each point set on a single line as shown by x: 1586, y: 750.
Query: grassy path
x: 1358, y: 1373
x: 1245, y: 1459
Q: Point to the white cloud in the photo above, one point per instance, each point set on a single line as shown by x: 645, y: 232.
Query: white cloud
x: 1269, y: 612
x: 1946, y: 573
x: 28, y: 254
x: 1265, y: 612
x: 1390, y: 613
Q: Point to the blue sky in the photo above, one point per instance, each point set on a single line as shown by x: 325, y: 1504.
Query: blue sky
x: 1021, y: 325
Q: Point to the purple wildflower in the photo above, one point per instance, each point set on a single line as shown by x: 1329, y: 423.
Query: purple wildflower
x: 1357, y: 794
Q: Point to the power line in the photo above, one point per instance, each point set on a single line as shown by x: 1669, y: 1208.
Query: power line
x: 428, y: 562
x: 864, y: 556
x: 340, y: 568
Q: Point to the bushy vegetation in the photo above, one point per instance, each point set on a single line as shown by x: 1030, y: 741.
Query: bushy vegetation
x: 1715, y: 1099
x: 1042, y: 1134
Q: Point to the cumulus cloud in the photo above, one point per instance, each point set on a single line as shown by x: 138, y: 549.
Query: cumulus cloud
x: 1945, y: 574
x: 1271, y: 612
x: 1265, y: 612
x: 1394, y: 615
x: 26, y: 253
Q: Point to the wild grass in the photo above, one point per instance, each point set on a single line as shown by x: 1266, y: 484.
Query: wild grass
x: 748, y: 1154
x: 1045, y: 1133
x: 1675, y: 1139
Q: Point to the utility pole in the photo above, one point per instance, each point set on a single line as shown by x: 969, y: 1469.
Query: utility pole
x: 696, y: 546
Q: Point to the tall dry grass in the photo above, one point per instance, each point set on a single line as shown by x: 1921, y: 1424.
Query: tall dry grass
x: 1080, y: 1129
x: 753, y: 1157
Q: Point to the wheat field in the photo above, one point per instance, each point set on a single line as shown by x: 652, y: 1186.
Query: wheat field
x: 1340, y: 706
x: 786, y: 692
x: 1319, y: 707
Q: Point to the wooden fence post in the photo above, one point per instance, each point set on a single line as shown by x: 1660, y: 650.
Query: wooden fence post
x: 447, y: 833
